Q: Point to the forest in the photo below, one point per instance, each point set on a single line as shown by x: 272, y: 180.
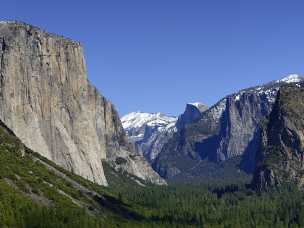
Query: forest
x: 33, y: 195
x: 179, y: 206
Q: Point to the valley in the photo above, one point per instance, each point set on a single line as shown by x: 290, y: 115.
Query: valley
x: 67, y: 159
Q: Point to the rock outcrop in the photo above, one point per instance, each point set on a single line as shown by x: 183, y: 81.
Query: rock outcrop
x: 280, y: 158
x: 48, y: 102
x: 192, y: 113
x: 227, y: 130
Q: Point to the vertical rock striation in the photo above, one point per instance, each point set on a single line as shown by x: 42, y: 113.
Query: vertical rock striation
x: 48, y: 102
x: 227, y: 130
x: 280, y: 158
x: 192, y: 113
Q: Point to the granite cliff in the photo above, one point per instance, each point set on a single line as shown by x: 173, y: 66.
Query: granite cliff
x: 192, y: 113
x: 226, y: 132
x: 280, y: 158
x: 48, y: 102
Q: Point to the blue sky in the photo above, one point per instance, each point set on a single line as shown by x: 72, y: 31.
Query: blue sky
x: 156, y: 56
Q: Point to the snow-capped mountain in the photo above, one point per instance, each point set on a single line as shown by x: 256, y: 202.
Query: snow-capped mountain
x: 229, y: 129
x: 267, y: 92
x: 224, y: 131
x: 149, y: 130
x: 270, y: 90
x: 202, y: 107
x: 139, y: 119
x: 292, y: 78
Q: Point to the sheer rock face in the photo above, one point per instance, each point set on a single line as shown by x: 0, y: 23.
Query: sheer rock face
x: 227, y: 130
x: 192, y: 113
x: 47, y: 101
x: 280, y: 158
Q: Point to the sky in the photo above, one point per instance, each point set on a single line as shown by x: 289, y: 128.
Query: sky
x: 156, y: 56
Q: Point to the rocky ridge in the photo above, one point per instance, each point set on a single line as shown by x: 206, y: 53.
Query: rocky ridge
x: 225, y: 131
x: 280, y: 158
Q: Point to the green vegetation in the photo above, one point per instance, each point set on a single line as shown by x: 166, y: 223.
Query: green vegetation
x: 32, y: 195
x: 275, y: 155
x: 34, y: 192
x: 232, y: 206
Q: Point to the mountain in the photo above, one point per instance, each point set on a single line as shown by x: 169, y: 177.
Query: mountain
x: 149, y: 130
x: 48, y: 102
x: 192, y: 113
x: 35, y: 192
x: 225, y: 134
x: 280, y: 158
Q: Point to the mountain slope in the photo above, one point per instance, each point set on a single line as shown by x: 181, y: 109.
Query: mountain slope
x: 280, y: 158
x: 34, y: 192
x: 149, y: 130
x: 226, y: 131
x: 48, y: 102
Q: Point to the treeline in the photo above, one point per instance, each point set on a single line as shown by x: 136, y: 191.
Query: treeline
x: 18, y: 210
x: 231, y: 206
x: 30, y: 197
x: 179, y: 206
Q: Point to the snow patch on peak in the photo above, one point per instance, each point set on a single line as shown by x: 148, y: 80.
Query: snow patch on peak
x: 270, y: 90
x: 292, y: 78
x: 200, y: 106
x: 237, y: 97
x: 139, y: 119
x: 196, y: 104
x: 149, y: 130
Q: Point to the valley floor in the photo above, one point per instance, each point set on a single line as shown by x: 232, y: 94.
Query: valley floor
x: 34, y: 192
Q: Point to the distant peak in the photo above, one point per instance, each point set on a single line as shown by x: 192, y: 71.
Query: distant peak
x: 140, y: 114
x: 292, y: 78
x: 200, y: 106
x: 139, y: 119
x: 196, y: 104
